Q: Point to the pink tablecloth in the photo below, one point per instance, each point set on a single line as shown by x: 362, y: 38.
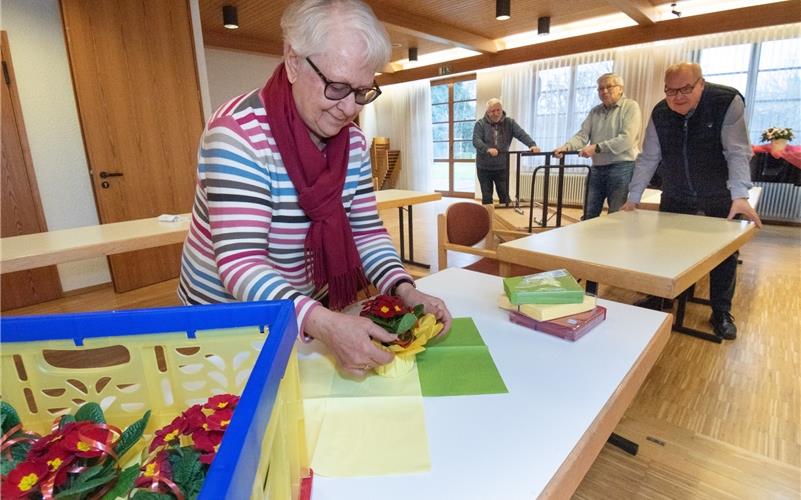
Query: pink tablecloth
x: 791, y: 153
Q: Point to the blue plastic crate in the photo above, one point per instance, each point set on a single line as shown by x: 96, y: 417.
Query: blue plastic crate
x: 233, y: 471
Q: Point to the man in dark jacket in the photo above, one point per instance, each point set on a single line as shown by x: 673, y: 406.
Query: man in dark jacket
x: 492, y: 136
x: 698, y: 138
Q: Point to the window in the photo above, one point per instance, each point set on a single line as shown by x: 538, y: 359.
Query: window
x: 777, y: 98
x: 453, y: 115
x: 564, y: 96
x: 768, y: 74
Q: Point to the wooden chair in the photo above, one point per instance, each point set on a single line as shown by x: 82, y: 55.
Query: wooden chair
x: 463, y: 226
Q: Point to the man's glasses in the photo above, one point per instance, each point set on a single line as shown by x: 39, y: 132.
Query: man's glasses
x: 684, y: 90
x: 336, y: 91
x: 606, y: 87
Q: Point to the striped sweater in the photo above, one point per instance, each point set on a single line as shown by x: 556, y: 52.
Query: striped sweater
x: 245, y: 240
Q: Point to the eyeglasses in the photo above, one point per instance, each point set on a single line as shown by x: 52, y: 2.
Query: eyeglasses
x: 607, y: 87
x: 337, y: 91
x: 684, y: 90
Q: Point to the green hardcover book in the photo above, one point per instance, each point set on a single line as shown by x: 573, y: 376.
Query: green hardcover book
x: 550, y: 287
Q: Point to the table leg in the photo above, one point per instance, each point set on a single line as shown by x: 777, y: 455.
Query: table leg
x: 403, y: 238
x: 624, y: 444
x: 402, y: 242
x: 678, y: 326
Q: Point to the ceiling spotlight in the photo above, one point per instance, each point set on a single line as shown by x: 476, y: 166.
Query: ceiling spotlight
x: 543, y: 25
x: 503, y: 9
x: 674, y: 9
x: 230, y: 17
x: 412, y: 53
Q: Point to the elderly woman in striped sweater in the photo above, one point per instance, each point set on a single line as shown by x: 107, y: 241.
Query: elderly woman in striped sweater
x: 284, y: 206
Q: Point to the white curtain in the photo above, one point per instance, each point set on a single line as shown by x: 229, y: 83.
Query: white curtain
x: 641, y: 68
x: 403, y: 114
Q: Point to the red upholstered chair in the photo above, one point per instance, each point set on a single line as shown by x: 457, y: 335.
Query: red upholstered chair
x: 463, y: 226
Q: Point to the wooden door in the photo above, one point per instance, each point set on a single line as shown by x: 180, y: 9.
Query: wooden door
x: 133, y: 67
x: 21, y: 206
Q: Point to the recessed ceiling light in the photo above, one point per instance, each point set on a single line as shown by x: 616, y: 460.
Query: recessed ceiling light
x: 396, y: 45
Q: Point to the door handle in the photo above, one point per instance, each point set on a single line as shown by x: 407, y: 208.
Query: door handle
x: 106, y: 175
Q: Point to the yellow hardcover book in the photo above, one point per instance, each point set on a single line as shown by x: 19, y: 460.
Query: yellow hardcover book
x: 546, y: 312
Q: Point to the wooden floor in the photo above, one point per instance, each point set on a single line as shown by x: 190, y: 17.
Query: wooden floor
x: 712, y: 421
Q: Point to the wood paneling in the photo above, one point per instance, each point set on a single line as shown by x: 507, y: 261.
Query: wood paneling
x: 136, y: 84
x: 738, y: 19
x: 21, y: 206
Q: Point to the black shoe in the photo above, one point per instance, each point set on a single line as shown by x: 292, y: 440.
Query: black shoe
x: 723, y: 323
x: 655, y: 303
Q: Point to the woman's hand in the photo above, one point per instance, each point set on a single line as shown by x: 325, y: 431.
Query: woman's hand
x: 350, y: 339
x: 411, y: 296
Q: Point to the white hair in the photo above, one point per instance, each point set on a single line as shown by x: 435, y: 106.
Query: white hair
x: 492, y: 102
x: 693, y: 68
x: 616, y: 79
x: 309, y: 25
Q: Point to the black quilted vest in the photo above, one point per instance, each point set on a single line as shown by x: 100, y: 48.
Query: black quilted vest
x: 692, y: 153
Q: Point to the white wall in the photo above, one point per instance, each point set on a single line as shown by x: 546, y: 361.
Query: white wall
x: 39, y: 54
x: 232, y: 72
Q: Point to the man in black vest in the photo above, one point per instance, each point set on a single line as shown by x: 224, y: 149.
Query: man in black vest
x: 698, y: 138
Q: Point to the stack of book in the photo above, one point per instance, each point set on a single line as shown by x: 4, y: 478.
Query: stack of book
x: 551, y: 302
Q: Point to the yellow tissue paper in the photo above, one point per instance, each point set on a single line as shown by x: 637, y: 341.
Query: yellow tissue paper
x: 351, y: 423
x: 425, y: 329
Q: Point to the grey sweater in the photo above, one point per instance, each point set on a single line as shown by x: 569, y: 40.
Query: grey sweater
x: 499, y: 135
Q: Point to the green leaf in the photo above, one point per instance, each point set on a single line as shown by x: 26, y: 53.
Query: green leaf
x: 131, y: 435
x: 124, y: 483
x: 90, y: 412
x: 151, y: 495
x: 419, y: 310
x: 382, y: 322
x: 406, y: 322
x: 18, y: 453
x: 9, y: 415
x: 187, y: 471
x: 85, y: 486
x: 65, y: 419
x: 91, y: 472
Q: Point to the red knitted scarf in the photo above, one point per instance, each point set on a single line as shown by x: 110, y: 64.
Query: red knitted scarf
x: 319, y: 178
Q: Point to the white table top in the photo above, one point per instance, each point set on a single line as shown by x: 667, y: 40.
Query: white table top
x: 652, y: 197
x: 540, y: 438
x: 66, y: 245
x: 650, y: 252
x: 394, y: 198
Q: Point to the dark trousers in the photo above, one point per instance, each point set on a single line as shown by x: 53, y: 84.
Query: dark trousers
x: 501, y: 179
x: 722, y: 279
x: 608, y: 183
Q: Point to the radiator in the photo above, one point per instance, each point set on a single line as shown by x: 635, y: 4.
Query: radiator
x: 573, y: 193
x: 779, y: 201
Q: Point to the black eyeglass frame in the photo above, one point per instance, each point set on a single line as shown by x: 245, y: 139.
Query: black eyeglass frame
x: 360, y: 94
x: 687, y: 89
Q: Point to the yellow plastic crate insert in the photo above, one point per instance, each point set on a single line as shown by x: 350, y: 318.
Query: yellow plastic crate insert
x: 166, y: 360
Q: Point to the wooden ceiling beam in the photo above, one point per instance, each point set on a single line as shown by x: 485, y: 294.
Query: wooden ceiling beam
x: 731, y: 20
x: 247, y: 43
x: 428, y: 29
x: 640, y: 10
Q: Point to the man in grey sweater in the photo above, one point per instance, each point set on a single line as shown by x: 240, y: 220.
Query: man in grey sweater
x: 492, y: 136
x: 610, y: 135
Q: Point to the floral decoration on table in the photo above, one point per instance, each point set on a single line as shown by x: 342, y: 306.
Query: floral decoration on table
x: 82, y: 456
x: 79, y: 458
x: 413, y: 327
x: 775, y: 133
